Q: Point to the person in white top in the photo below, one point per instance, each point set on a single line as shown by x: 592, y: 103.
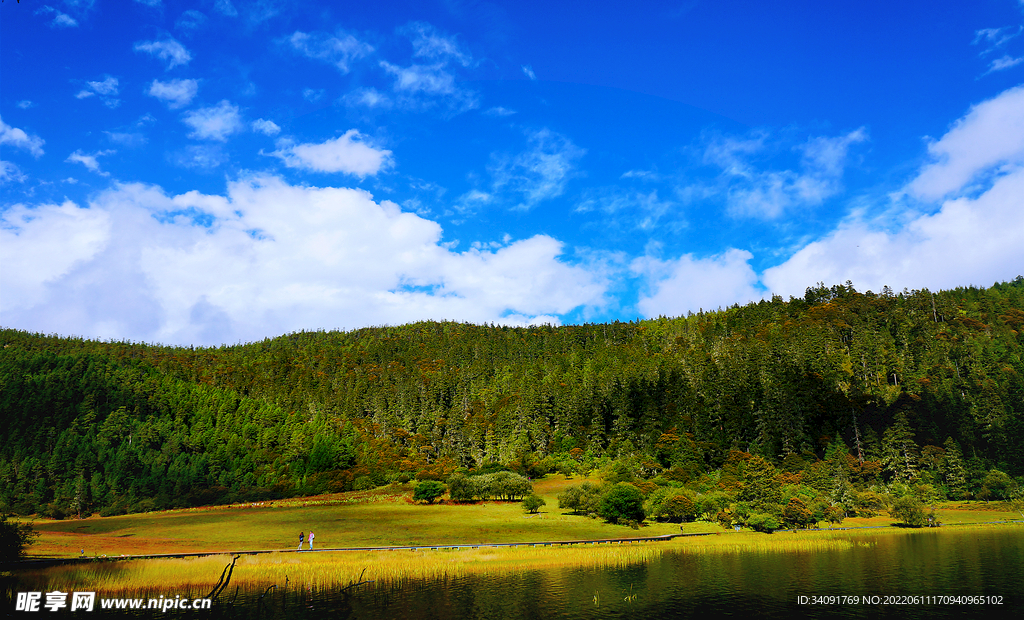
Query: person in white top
x: 311, y: 540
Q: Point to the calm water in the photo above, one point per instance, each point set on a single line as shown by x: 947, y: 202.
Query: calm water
x: 928, y: 563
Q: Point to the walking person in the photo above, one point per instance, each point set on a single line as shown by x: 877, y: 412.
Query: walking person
x: 301, y: 536
x: 310, y: 540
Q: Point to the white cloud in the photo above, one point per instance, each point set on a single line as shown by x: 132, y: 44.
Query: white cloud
x: 974, y: 237
x: 107, y: 91
x: 988, y: 138
x: 1005, y: 62
x: 168, y: 50
x: 10, y: 172
x: 90, y: 161
x: 428, y: 43
x: 528, y: 72
x: 425, y: 84
x: 768, y: 194
x: 499, y: 111
x: 60, y: 20
x: 265, y: 259
x: 340, y: 50
x: 429, y: 79
x: 368, y: 97
x: 190, y: 20
x: 995, y: 38
x: 312, y: 94
x: 215, y: 122
x: 265, y: 127
x: 19, y: 139
x: 25, y: 104
x: 129, y: 139
x: 690, y: 284
x: 224, y: 7
x: 153, y: 4
x: 349, y: 153
x: 175, y: 93
x: 643, y: 210
x: 542, y: 172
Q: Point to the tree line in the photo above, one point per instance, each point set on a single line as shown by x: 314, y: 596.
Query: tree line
x: 912, y: 388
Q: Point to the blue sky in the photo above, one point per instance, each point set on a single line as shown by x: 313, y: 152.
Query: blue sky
x: 221, y: 171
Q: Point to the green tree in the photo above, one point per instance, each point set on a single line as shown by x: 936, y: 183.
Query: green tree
x: 909, y: 511
x: 532, y: 503
x: 797, y: 513
x: 759, y: 484
x: 428, y: 491
x: 14, y: 538
x: 899, y: 452
x: 622, y: 502
x: 953, y: 470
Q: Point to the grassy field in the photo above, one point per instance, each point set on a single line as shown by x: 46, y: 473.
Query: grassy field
x: 385, y: 516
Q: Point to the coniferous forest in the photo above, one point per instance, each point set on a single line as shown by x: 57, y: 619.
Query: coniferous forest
x: 914, y: 388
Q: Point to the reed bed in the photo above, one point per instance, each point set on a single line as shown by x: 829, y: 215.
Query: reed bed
x: 196, y: 576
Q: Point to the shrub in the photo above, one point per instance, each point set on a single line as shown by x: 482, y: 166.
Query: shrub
x: 533, y: 502
x: 908, y: 510
x: 428, y: 491
x: 622, y: 502
x: 363, y: 483
x: 14, y: 539
x: 763, y: 522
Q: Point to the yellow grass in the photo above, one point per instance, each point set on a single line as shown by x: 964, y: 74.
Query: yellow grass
x: 197, y: 576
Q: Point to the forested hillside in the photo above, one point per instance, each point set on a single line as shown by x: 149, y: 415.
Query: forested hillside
x: 913, y: 387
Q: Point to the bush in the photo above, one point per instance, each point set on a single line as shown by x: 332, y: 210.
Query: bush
x: 909, y: 511
x: 762, y: 522
x: 622, y: 502
x: 363, y: 483
x: 428, y: 491
x: 14, y: 539
x: 533, y: 502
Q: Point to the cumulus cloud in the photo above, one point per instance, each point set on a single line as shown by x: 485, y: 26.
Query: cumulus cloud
x: 17, y: 138
x: 175, y: 93
x: 168, y: 50
x: 768, y: 194
x: 215, y: 122
x: 340, y: 49
x: 973, y: 238
x: 265, y: 127
x: 90, y: 161
x: 985, y: 141
x: 540, y: 173
x: 690, y: 284
x: 264, y: 259
x: 350, y: 153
